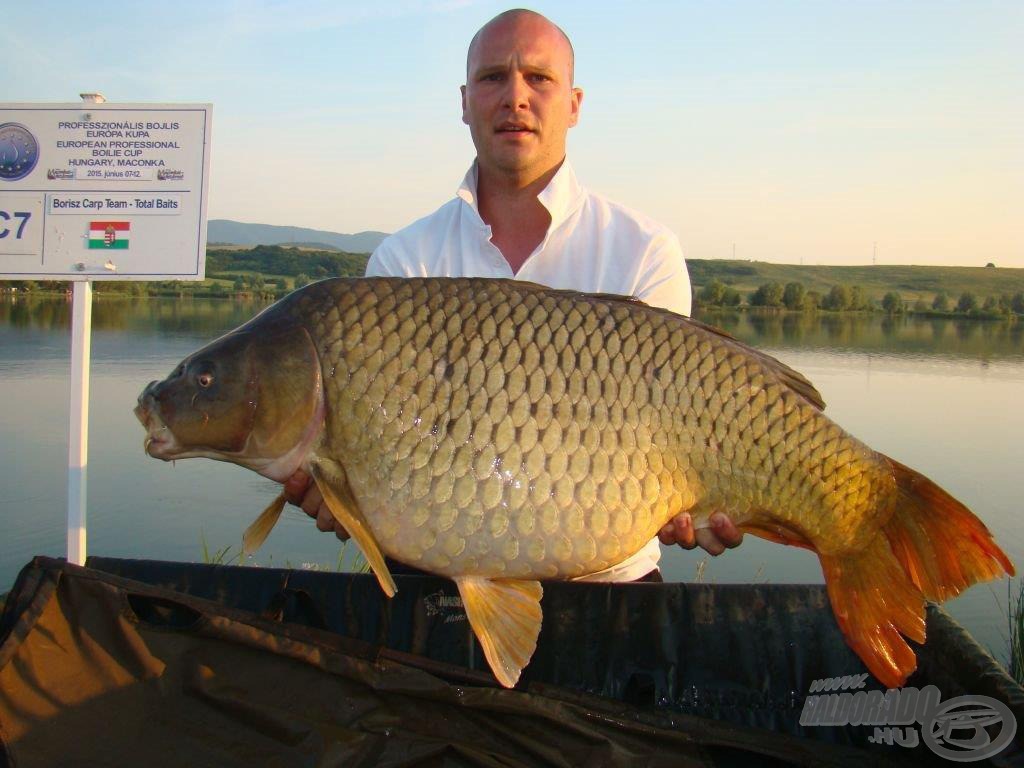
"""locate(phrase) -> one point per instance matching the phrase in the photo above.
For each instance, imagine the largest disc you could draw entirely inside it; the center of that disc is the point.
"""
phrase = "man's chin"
(512, 162)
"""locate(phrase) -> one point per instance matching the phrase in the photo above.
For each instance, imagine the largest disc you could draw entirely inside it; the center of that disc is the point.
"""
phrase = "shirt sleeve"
(383, 263)
(664, 280)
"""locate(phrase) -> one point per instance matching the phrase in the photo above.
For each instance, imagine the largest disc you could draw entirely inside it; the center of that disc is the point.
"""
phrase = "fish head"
(253, 397)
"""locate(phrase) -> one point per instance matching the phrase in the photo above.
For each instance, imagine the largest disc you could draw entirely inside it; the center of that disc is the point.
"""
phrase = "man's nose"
(516, 92)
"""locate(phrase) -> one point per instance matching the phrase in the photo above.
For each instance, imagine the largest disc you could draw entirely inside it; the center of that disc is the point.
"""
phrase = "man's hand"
(715, 540)
(301, 491)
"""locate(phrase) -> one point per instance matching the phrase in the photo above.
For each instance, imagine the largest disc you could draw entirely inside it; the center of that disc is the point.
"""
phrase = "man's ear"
(577, 100)
(464, 118)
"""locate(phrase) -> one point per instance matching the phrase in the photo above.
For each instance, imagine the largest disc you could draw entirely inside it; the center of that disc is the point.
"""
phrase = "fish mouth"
(159, 442)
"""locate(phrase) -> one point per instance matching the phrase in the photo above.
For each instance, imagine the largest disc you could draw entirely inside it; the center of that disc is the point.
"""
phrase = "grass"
(1016, 619)
(224, 556)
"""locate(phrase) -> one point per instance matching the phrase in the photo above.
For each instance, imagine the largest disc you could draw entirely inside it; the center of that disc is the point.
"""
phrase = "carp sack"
(502, 433)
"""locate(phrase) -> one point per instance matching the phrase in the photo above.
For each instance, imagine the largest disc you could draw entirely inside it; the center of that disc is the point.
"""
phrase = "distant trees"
(892, 302)
(718, 294)
(275, 260)
(837, 299)
(968, 301)
(768, 295)
(941, 302)
(793, 296)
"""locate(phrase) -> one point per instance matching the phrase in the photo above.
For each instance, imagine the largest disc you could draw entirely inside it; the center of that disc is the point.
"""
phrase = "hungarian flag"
(109, 234)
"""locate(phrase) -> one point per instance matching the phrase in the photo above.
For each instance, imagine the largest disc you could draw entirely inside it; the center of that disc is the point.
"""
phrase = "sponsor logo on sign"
(19, 151)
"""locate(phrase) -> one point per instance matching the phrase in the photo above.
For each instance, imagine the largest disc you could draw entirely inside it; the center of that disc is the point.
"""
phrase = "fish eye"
(204, 379)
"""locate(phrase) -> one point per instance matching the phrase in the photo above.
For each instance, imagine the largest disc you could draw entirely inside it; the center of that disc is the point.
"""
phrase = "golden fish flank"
(501, 433)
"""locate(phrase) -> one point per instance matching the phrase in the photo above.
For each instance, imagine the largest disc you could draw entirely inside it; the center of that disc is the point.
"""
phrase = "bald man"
(520, 213)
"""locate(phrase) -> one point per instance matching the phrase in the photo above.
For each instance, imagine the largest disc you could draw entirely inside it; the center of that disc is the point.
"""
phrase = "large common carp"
(502, 433)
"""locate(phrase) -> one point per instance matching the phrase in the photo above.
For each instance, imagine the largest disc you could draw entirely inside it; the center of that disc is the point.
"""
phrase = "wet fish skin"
(502, 433)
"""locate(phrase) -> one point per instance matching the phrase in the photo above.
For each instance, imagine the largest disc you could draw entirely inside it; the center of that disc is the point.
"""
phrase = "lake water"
(942, 396)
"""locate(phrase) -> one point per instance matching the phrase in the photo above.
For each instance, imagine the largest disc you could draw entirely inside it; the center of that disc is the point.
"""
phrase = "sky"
(819, 132)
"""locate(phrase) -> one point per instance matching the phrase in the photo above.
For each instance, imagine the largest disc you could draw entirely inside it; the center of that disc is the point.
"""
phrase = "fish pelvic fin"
(505, 615)
(875, 605)
(338, 498)
(261, 527)
(942, 546)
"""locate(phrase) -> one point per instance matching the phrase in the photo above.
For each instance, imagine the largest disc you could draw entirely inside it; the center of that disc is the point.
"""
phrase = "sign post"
(93, 192)
(78, 430)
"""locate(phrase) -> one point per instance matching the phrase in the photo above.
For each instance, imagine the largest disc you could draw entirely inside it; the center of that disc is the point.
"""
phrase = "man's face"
(518, 100)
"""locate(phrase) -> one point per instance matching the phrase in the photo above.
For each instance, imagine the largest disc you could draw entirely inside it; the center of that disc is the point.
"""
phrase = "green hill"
(911, 282)
(276, 260)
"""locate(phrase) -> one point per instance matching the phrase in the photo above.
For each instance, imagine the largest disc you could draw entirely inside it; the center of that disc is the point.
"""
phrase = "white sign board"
(104, 191)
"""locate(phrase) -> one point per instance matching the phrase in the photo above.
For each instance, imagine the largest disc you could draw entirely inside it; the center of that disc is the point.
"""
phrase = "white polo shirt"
(592, 245)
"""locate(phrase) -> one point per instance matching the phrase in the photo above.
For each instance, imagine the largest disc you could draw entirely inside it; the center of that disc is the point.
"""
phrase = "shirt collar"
(562, 195)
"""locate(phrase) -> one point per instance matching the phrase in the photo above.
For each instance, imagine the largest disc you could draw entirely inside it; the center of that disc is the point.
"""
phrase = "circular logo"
(19, 151)
(958, 729)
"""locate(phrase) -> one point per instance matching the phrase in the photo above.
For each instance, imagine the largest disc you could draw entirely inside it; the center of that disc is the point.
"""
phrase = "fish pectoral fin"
(261, 527)
(505, 615)
(345, 509)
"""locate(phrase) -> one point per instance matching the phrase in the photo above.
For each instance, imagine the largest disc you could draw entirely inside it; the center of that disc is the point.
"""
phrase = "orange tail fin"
(941, 544)
(933, 547)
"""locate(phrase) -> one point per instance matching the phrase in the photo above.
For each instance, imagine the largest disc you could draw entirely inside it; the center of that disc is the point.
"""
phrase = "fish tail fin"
(876, 605)
(932, 548)
(942, 546)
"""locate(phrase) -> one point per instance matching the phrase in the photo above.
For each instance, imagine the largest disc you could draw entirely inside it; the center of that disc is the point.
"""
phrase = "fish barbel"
(502, 433)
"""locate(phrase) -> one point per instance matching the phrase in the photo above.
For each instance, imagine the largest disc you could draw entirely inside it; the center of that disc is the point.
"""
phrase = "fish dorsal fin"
(261, 527)
(338, 498)
(505, 615)
(795, 380)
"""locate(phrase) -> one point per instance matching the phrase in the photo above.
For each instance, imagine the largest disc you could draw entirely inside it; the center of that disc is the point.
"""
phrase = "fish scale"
(502, 433)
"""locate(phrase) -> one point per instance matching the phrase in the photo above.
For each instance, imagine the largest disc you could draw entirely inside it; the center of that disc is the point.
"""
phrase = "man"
(521, 213)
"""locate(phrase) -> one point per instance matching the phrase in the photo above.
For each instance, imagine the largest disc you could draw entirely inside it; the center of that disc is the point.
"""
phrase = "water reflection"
(162, 315)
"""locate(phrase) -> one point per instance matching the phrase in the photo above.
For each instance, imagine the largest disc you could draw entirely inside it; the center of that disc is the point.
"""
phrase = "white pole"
(78, 413)
(78, 433)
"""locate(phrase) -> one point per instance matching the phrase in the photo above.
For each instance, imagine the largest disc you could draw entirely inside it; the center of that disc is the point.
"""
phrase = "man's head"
(519, 101)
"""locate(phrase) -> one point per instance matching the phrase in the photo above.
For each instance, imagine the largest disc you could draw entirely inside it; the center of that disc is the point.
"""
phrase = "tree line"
(846, 298)
(243, 270)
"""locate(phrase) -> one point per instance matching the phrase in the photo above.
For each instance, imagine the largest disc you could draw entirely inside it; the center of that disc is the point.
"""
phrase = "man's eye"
(493, 77)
